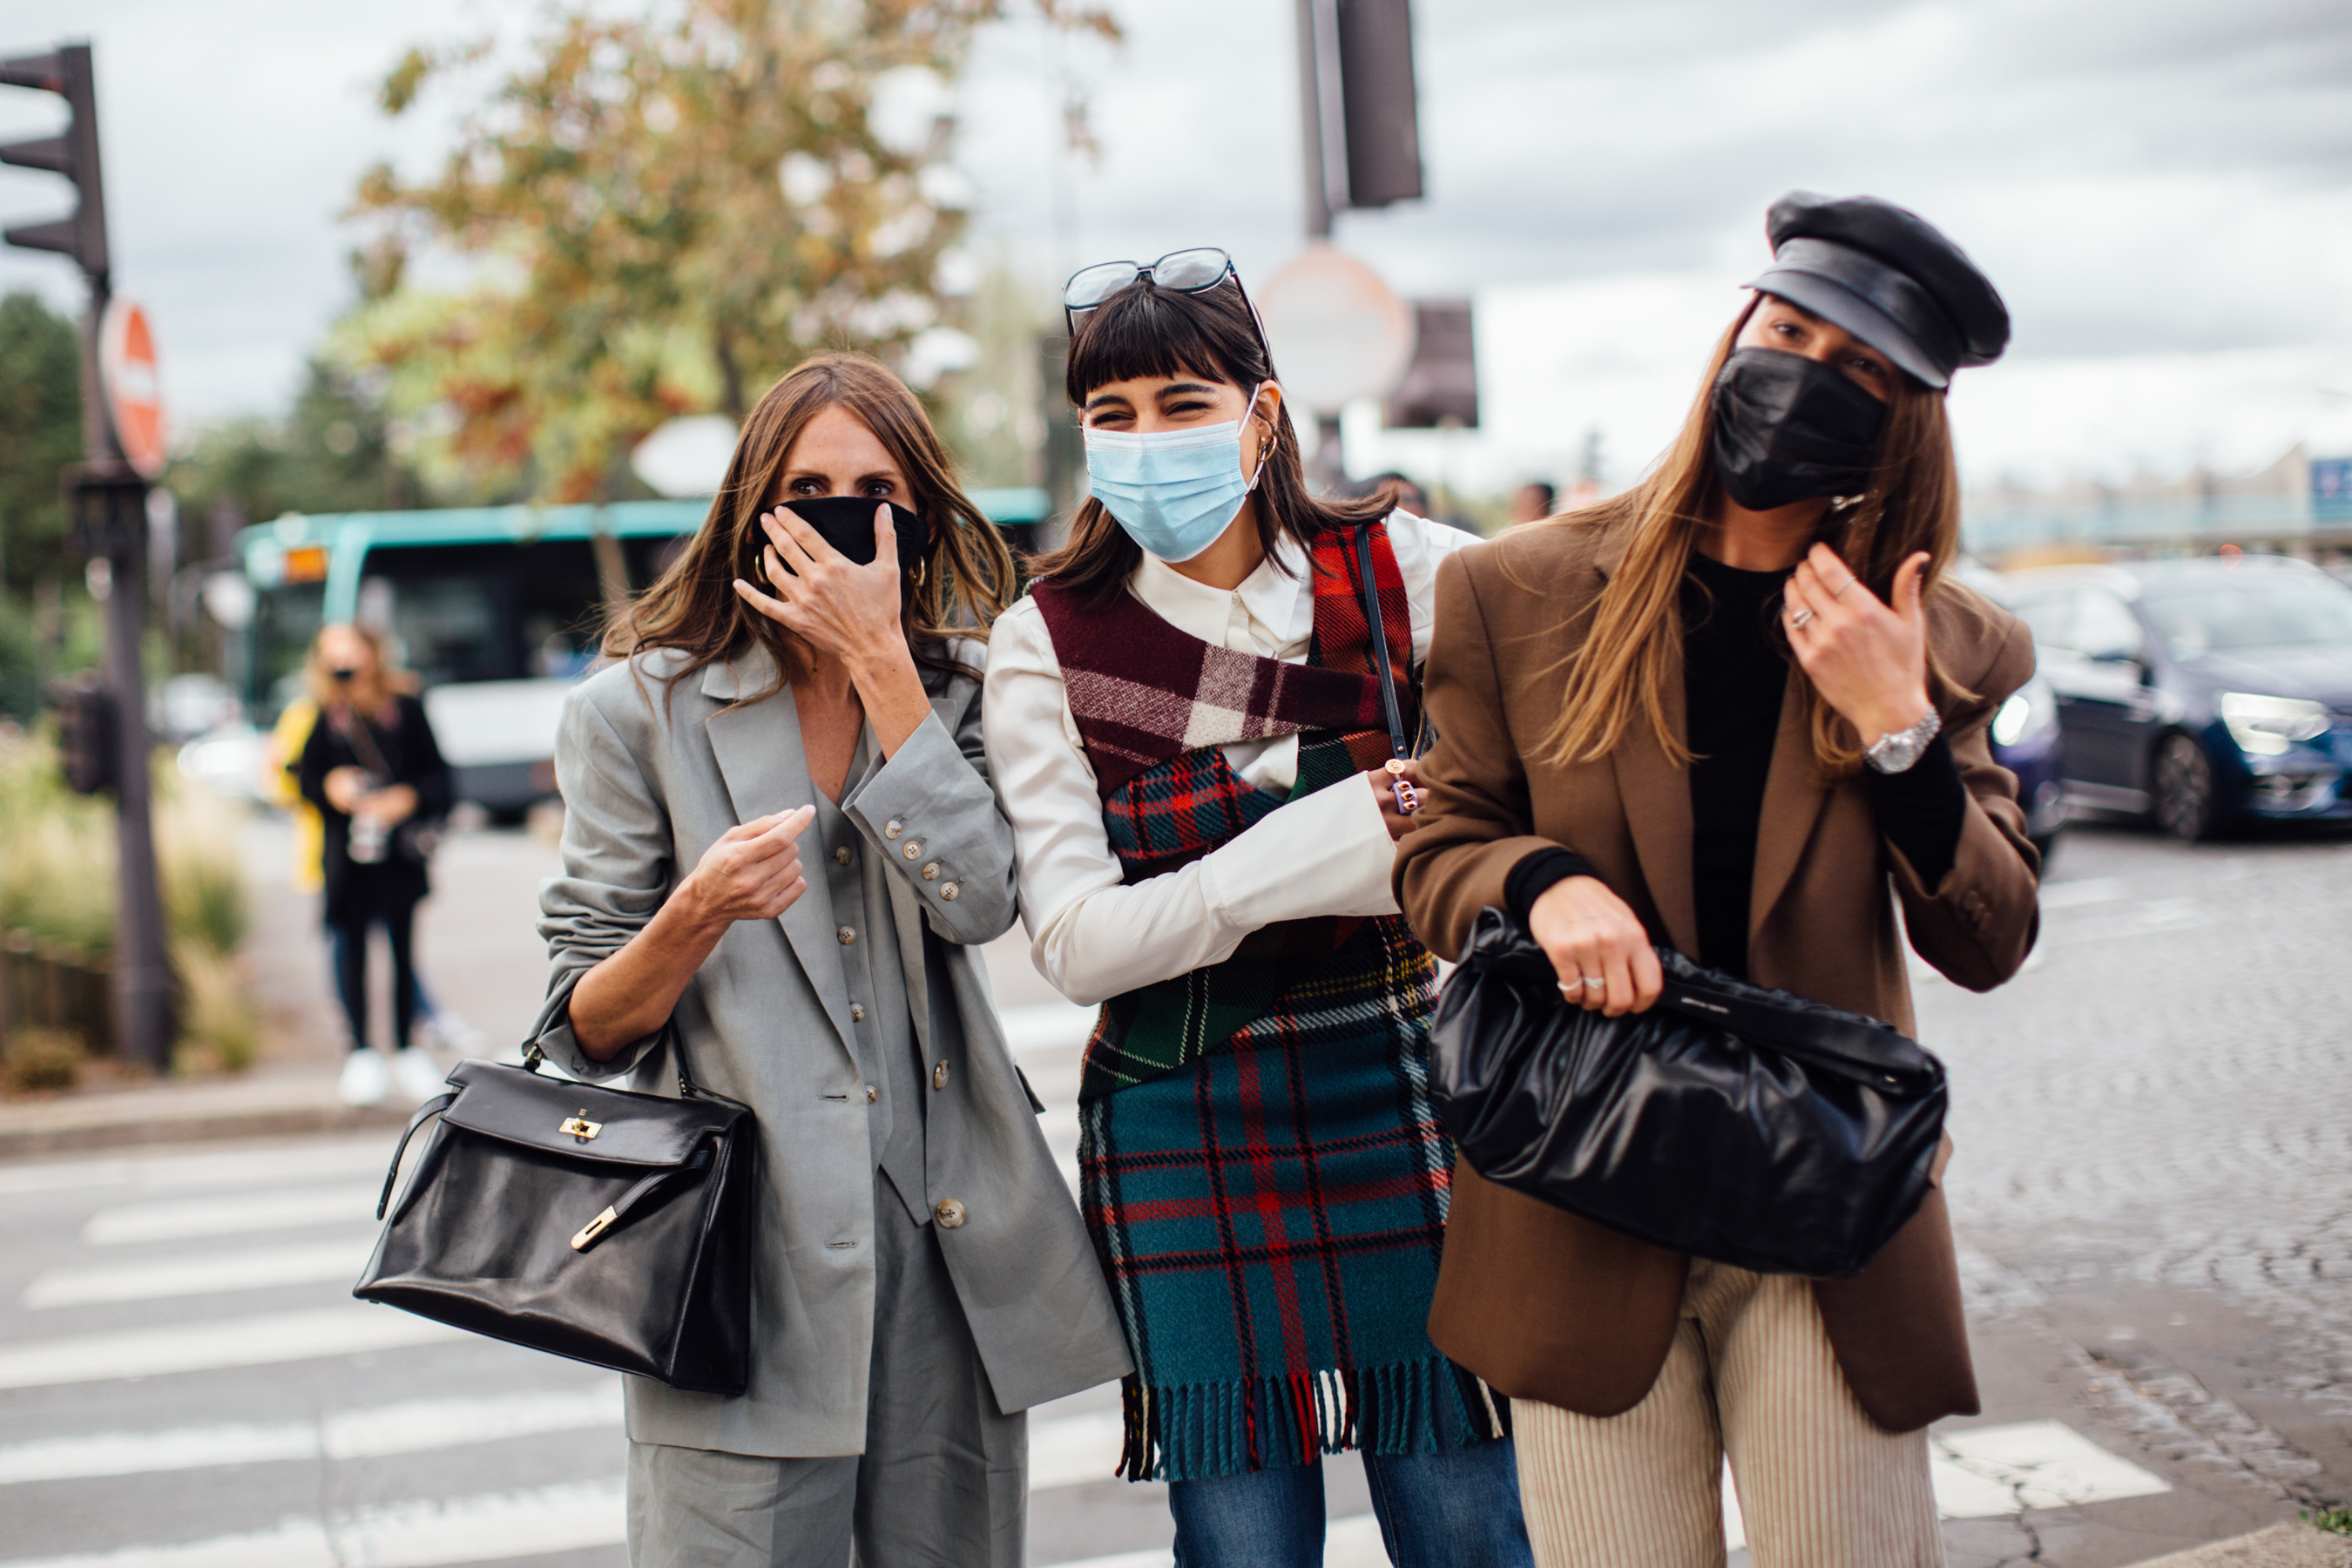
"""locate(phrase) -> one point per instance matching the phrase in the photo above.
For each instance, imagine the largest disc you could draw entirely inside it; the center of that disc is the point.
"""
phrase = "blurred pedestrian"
(1185, 726)
(1740, 709)
(781, 855)
(1402, 491)
(1533, 502)
(371, 768)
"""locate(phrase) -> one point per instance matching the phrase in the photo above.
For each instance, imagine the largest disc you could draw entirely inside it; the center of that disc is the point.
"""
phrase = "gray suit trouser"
(944, 1481)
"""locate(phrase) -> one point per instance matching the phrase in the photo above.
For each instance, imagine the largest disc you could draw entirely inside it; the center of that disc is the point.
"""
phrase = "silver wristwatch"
(1896, 752)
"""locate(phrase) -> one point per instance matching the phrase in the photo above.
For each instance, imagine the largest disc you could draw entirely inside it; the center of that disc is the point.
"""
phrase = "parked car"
(2199, 692)
(2025, 736)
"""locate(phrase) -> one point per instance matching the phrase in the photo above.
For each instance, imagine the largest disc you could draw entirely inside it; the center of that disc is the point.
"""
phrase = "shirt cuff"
(1536, 873)
(1921, 809)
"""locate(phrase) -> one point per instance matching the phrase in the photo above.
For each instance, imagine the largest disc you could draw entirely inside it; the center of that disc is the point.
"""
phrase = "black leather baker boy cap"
(1887, 276)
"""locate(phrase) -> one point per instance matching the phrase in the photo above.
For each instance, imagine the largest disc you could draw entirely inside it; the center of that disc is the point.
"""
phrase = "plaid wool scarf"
(1154, 706)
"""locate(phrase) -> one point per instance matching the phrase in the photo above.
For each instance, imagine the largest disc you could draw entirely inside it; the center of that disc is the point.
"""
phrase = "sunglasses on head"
(1193, 271)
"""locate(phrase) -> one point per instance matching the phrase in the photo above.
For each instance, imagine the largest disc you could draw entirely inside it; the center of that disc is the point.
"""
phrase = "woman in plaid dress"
(1185, 723)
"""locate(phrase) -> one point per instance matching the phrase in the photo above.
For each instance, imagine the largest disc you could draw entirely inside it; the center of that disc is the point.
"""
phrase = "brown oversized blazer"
(1543, 1304)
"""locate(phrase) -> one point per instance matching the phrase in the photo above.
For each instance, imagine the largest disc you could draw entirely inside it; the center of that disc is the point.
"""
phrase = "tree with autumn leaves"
(662, 214)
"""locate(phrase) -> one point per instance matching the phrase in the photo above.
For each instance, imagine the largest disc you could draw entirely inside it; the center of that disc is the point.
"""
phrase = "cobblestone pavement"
(2154, 1167)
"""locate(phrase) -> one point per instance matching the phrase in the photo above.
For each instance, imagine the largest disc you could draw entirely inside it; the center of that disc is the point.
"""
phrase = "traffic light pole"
(106, 502)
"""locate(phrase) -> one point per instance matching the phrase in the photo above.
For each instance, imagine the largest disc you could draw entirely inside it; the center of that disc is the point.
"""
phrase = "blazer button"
(847, 935)
(948, 1212)
(932, 872)
(892, 829)
(841, 856)
(914, 849)
(940, 1076)
(872, 1094)
(858, 1012)
(947, 891)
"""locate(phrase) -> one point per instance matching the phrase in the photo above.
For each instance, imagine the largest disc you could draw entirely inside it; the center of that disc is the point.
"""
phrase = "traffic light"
(86, 733)
(82, 236)
(1362, 113)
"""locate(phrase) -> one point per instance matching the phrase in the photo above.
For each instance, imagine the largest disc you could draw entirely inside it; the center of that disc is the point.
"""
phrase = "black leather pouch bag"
(1730, 1122)
(612, 1227)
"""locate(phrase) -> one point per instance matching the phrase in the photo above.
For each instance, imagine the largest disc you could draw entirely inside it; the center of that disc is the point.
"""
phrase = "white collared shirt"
(1326, 854)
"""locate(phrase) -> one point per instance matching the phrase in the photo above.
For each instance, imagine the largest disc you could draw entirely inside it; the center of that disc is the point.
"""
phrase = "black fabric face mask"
(1789, 428)
(846, 523)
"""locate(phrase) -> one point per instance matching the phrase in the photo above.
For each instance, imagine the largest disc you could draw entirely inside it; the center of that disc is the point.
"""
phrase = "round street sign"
(1337, 331)
(134, 392)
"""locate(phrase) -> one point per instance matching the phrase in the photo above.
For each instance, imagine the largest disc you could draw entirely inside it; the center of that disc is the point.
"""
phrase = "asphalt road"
(2151, 1183)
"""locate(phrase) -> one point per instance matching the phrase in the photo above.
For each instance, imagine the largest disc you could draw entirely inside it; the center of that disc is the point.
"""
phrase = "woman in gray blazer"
(781, 842)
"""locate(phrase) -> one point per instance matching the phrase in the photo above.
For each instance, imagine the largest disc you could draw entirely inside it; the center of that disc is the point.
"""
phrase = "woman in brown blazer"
(1740, 709)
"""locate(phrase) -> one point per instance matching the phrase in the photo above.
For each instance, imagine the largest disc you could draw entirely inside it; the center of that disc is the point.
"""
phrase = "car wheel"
(2187, 803)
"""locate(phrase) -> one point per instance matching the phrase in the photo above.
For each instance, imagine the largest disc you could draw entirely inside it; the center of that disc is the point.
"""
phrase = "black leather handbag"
(1731, 1122)
(612, 1227)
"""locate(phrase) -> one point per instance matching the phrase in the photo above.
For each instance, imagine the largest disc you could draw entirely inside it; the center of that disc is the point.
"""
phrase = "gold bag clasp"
(580, 1127)
(592, 1229)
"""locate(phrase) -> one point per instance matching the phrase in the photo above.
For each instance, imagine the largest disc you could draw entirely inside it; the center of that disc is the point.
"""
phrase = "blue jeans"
(1459, 1508)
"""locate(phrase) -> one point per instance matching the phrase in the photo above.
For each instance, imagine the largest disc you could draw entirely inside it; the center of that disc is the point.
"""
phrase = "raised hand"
(1867, 658)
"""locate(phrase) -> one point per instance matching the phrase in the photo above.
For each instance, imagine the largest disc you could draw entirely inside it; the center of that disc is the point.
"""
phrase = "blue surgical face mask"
(1174, 491)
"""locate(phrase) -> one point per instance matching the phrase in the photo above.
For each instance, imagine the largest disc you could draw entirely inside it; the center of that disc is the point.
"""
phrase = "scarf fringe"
(1190, 1432)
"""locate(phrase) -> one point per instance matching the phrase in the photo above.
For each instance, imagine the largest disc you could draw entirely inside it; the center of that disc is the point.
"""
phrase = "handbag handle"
(1853, 1047)
(1372, 616)
(1408, 799)
(669, 1034)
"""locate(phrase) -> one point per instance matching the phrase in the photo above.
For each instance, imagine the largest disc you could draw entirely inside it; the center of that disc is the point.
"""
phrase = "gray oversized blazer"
(648, 786)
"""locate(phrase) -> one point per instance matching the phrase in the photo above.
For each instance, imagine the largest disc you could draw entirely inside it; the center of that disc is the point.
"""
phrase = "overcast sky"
(2162, 189)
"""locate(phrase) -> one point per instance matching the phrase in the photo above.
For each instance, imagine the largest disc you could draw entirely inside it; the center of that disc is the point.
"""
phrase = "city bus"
(496, 610)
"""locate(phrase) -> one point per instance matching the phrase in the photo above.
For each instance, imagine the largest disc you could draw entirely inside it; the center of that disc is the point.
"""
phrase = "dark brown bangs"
(1144, 330)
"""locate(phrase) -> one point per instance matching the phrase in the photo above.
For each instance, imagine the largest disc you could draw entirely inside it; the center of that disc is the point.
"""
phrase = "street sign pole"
(107, 502)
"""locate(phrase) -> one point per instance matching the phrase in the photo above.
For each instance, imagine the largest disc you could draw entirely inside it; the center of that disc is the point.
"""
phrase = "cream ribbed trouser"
(1751, 1374)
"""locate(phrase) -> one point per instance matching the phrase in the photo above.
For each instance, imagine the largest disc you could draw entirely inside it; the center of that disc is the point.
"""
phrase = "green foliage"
(2337, 1520)
(56, 855)
(40, 1058)
(40, 433)
(333, 452)
(57, 859)
(220, 1030)
(666, 214)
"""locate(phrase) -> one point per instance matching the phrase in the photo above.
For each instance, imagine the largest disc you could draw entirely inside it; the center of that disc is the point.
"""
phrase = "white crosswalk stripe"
(346, 1330)
(204, 1274)
(182, 1219)
(144, 1252)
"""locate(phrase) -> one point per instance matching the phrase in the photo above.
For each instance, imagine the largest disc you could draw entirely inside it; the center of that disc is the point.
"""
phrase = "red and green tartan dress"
(1261, 1164)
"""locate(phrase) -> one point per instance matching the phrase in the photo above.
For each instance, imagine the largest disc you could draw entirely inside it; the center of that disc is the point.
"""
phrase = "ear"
(1268, 405)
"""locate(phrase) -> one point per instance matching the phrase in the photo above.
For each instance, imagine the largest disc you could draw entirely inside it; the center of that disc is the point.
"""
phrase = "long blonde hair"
(1617, 675)
(369, 696)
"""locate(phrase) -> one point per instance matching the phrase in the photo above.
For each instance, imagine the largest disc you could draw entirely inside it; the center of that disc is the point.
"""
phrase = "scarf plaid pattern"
(1260, 1162)
(1135, 692)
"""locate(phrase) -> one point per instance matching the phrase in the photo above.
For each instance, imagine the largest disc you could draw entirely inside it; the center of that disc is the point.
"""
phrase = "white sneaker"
(365, 1080)
(418, 1075)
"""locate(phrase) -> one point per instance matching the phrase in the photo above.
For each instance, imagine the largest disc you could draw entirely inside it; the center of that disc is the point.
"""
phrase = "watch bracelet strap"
(1929, 725)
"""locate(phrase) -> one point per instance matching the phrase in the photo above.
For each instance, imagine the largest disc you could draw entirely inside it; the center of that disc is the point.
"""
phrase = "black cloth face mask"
(1789, 428)
(846, 523)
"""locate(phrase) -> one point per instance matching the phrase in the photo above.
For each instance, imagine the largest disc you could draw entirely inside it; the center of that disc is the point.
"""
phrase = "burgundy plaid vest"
(1154, 706)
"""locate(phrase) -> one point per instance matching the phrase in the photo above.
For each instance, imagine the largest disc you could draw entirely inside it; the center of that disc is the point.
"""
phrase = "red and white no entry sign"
(134, 392)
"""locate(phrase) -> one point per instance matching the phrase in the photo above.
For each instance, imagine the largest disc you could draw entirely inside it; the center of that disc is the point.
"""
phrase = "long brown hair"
(1144, 329)
(1617, 675)
(955, 590)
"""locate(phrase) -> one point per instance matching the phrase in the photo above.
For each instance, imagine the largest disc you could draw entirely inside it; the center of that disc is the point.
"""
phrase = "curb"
(2281, 1546)
(73, 1125)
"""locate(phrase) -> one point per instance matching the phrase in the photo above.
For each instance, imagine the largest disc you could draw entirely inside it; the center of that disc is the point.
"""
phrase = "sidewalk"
(288, 1100)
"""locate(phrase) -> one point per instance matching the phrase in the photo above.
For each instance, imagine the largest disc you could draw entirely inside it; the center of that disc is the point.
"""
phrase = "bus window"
(285, 619)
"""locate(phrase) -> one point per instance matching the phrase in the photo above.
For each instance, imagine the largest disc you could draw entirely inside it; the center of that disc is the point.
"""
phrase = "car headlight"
(2267, 726)
(2032, 710)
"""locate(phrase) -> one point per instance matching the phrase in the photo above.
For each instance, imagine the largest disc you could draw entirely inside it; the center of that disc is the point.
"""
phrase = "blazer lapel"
(1655, 794)
(760, 757)
(1793, 797)
(1655, 797)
